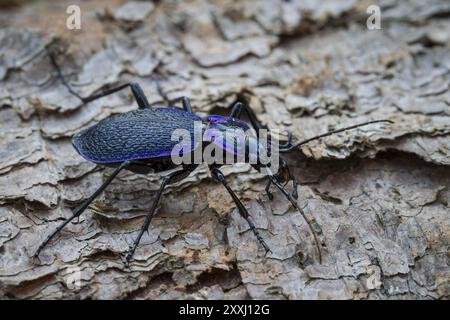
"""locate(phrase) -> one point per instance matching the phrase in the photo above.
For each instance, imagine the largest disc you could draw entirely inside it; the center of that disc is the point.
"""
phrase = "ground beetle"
(139, 141)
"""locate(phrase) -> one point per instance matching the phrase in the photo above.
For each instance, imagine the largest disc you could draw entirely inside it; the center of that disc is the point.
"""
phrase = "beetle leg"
(187, 104)
(294, 191)
(289, 141)
(241, 208)
(294, 186)
(139, 96)
(136, 89)
(82, 207)
(170, 178)
(289, 177)
(275, 181)
(267, 189)
(185, 101)
(236, 111)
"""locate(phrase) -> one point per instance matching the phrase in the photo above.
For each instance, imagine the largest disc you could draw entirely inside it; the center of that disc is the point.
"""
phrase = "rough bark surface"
(380, 194)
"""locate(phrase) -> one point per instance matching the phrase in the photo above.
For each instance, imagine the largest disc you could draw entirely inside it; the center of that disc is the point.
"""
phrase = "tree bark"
(379, 194)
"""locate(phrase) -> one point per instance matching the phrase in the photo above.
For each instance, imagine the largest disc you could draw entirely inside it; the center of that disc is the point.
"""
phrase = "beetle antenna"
(294, 203)
(61, 76)
(298, 144)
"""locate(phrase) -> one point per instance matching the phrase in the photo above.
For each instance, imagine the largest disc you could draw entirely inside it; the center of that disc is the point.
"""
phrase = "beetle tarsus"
(288, 143)
(172, 177)
(126, 262)
(261, 240)
(267, 189)
(294, 190)
(81, 208)
(128, 257)
(294, 203)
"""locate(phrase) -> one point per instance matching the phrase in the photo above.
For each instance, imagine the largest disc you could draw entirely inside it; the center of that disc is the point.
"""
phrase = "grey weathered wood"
(380, 195)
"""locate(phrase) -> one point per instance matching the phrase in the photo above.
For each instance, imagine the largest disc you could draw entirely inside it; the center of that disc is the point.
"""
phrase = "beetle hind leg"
(81, 208)
(136, 89)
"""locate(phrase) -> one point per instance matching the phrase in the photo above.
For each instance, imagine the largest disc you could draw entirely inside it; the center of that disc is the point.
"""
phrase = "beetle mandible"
(140, 141)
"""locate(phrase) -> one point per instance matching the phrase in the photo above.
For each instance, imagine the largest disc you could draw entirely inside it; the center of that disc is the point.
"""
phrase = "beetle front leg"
(293, 201)
(267, 189)
(295, 187)
(283, 176)
(241, 208)
(294, 190)
(288, 143)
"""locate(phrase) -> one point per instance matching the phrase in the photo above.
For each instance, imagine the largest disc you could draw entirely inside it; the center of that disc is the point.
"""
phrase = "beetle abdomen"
(138, 134)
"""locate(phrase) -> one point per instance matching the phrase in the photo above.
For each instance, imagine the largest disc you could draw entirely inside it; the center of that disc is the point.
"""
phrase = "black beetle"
(140, 141)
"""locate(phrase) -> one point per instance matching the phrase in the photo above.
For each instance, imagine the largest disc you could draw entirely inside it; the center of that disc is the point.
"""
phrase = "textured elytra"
(138, 134)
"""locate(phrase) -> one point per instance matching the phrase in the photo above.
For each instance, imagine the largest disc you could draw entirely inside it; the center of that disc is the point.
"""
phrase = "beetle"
(140, 141)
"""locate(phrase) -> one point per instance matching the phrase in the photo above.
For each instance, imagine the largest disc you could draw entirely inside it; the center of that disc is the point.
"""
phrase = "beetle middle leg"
(185, 101)
(82, 207)
(241, 208)
(136, 89)
(170, 178)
